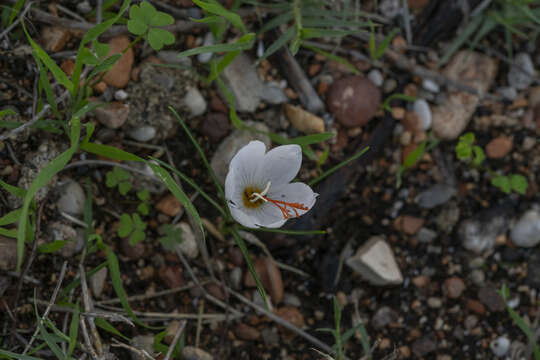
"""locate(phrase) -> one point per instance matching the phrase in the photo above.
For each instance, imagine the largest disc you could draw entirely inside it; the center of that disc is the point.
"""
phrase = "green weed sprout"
(132, 226)
(119, 178)
(474, 155)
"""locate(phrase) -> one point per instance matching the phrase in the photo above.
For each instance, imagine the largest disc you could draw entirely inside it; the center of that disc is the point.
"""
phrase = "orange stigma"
(282, 205)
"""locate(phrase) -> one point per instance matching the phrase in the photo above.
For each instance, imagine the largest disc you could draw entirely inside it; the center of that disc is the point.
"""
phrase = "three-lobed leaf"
(157, 38)
(126, 226)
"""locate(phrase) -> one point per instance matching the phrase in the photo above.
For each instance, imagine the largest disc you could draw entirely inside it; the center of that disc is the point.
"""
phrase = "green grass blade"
(10, 217)
(278, 44)
(201, 153)
(46, 85)
(110, 152)
(105, 325)
(275, 22)
(336, 58)
(384, 44)
(8, 233)
(12, 355)
(48, 338)
(242, 245)
(40, 181)
(58, 73)
(13, 190)
(338, 166)
(177, 192)
(217, 9)
(193, 184)
(73, 331)
(244, 43)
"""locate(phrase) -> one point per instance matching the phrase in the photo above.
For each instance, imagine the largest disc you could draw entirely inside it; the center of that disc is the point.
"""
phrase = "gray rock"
(521, 74)
(142, 342)
(270, 336)
(423, 346)
(195, 102)
(479, 236)
(171, 57)
(452, 116)
(448, 217)
(426, 235)
(390, 8)
(500, 346)
(59, 231)
(8, 253)
(235, 277)
(273, 95)
(292, 300)
(383, 317)
(376, 263)
(376, 77)
(97, 282)
(112, 115)
(436, 195)
(34, 162)
(508, 92)
(230, 146)
(193, 353)
(143, 133)
(526, 232)
(84, 7)
(242, 79)
(208, 40)
(430, 85)
(421, 108)
(150, 97)
(121, 95)
(188, 246)
(72, 198)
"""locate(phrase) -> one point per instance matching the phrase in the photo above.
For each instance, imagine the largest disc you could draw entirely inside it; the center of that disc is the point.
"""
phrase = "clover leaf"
(120, 178)
(145, 20)
(172, 236)
(132, 226)
(503, 183)
(519, 183)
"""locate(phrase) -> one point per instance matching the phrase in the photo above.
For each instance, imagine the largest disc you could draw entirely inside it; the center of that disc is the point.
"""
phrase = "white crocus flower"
(258, 186)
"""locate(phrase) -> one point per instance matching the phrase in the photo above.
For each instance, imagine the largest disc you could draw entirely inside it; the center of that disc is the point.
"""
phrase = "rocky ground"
(419, 264)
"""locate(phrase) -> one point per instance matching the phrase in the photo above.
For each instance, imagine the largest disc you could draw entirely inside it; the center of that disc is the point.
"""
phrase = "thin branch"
(16, 22)
(175, 340)
(142, 353)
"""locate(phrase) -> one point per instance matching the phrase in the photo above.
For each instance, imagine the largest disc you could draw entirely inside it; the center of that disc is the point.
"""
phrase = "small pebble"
(430, 85)
(422, 109)
(143, 133)
(500, 346)
(376, 77)
(521, 74)
(208, 40)
(120, 95)
(508, 93)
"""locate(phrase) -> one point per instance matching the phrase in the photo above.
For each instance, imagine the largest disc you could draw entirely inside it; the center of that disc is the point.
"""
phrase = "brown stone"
(421, 281)
(68, 66)
(410, 225)
(489, 296)
(411, 122)
(453, 287)
(270, 277)
(499, 147)
(476, 307)
(215, 126)
(398, 113)
(55, 38)
(353, 100)
(172, 329)
(303, 120)
(216, 104)
(246, 332)
(100, 87)
(112, 115)
(292, 315)
(120, 73)
(169, 205)
(216, 291)
(417, 4)
(133, 252)
(171, 276)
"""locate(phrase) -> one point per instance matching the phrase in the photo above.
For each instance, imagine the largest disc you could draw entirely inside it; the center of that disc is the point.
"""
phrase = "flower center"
(253, 198)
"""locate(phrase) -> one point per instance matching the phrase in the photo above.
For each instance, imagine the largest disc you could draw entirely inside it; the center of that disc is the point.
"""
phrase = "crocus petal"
(246, 163)
(294, 193)
(268, 215)
(281, 164)
(243, 218)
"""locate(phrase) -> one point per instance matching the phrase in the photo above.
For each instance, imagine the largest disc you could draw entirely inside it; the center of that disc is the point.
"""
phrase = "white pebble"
(376, 77)
(526, 232)
(260, 49)
(195, 102)
(390, 8)
(120, 95)
(143, 133)
(430, 85)
(208, 40)
(500, 346)
(421, 108)
(521, 72)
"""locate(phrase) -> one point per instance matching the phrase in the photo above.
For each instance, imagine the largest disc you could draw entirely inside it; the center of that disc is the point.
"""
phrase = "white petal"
(268, 215)
(281, 164)
(243, 218)
(294, 193)
(246, 163)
